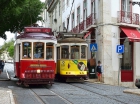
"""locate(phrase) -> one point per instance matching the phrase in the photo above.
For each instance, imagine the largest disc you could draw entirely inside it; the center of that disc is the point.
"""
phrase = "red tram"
(34, 57)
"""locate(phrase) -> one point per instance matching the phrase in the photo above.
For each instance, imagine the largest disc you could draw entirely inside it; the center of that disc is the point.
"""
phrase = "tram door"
(19, 53)
(17, 60)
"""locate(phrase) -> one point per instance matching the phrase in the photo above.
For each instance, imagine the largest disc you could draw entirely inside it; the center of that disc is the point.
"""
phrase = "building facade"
(112, 24)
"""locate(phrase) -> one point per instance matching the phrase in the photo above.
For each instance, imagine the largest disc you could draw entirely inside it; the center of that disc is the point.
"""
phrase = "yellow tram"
(71, 57)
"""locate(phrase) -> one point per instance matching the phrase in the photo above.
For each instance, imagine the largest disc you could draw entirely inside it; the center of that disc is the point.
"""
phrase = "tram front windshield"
(73, 52)
(37, 50)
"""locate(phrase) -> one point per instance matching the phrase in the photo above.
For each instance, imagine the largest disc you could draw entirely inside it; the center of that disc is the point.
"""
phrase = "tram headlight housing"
(38, 71)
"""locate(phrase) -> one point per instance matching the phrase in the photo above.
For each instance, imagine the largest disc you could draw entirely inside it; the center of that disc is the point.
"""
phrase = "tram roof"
(63, 35)
(72, 40)
(69, 37)
(36, 33)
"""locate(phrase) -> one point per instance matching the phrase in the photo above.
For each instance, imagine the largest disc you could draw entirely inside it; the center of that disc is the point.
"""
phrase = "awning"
(87, 34)
(132, 33)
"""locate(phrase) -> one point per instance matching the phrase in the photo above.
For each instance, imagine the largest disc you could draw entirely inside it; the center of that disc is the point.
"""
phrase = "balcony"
(90, 20)
(128, 17)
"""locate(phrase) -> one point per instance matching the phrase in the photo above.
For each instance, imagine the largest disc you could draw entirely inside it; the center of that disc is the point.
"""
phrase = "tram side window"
(83, 51)
(49, 51)
(65, 52)
(26, 49)
(75, 52)
(38, 50)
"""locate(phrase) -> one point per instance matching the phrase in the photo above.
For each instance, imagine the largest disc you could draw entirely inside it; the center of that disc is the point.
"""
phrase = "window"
(126, 12)
(55, 12)
(93, 8)
(59, 28)
(52, 18)
(85, 9)
(72, 20)
(26, 49)
(78, 15)
(75, 52)
(38, 50)
(83, 51)
(63, 5)
(67, 2)
(65, 52)
(125, 5)
(63, 25)
(67, 23)
(59, 8)
(49, 51)
(46, 15)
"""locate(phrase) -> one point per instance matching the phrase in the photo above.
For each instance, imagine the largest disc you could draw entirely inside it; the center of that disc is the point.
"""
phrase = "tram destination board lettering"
(41, 30)
(38, 65)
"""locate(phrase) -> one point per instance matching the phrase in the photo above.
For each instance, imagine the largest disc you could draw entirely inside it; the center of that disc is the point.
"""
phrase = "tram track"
(54, 94)
(97, 93)
(37, 96)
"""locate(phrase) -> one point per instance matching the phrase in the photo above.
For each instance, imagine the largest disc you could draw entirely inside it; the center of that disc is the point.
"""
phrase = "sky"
(42, 0)
(10, 35)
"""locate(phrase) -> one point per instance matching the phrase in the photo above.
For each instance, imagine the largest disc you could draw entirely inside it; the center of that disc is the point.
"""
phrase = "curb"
(132, 91)
(11, 97)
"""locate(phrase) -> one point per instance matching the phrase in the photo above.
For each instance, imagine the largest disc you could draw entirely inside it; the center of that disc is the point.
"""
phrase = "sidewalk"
(6, 96)
(135, 91)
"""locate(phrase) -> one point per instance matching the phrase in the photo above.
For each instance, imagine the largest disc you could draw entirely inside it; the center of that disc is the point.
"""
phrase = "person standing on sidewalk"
(99, 70)
(91, 67)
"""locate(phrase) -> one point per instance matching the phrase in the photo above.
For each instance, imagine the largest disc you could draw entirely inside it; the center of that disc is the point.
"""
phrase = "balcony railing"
(90, 20)
(82, 26)
(128, 17)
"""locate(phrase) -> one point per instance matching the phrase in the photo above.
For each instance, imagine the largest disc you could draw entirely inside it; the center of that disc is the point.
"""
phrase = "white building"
(108, 23)
(52, 15)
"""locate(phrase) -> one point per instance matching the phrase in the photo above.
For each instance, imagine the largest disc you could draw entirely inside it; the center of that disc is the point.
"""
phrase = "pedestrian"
(99, 70)
(2, 65)
(92, 66)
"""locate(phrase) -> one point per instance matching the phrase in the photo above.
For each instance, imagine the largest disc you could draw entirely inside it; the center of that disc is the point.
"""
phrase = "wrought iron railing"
(90, 20)
(128, 17)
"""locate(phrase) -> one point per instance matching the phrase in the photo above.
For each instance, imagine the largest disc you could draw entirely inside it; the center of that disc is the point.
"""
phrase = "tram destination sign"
(38, 30)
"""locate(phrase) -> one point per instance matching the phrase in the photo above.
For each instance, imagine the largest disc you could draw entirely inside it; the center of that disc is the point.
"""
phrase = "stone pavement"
(6, 96)
(135, 91)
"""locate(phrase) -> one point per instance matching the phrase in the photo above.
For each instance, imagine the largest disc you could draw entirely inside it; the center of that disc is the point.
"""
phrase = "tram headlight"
(38, 71)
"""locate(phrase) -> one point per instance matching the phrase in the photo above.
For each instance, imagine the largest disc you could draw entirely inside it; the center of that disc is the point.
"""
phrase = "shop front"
(128, 37)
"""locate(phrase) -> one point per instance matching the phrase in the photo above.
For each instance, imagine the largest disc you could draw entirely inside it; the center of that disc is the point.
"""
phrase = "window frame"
(66, 52)
(43, 50)
(24, 57)
(52, 52)
(73, 46)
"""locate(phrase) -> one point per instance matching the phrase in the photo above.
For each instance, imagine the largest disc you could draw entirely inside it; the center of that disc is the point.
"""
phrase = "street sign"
(93, 47)
(120, 49)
